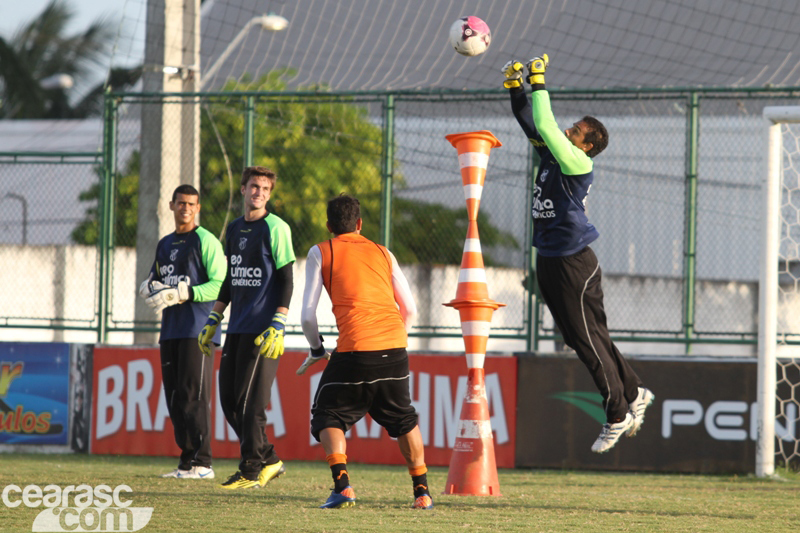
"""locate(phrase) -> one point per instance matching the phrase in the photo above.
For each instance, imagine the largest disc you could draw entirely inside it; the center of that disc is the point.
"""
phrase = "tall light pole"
(269, 22)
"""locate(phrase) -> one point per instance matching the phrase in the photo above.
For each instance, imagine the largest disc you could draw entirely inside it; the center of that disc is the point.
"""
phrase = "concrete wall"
(40, 283)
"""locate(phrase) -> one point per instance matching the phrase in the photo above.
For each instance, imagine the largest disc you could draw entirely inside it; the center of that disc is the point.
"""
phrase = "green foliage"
(319, 147)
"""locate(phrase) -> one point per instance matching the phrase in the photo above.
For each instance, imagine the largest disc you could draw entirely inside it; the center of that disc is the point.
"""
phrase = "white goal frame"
(776, 117)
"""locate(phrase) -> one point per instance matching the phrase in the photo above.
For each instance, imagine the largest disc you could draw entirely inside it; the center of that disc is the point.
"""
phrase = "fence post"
(106, 207)
(690, 214)
(249, 118)
(387, 170)
(532, 338)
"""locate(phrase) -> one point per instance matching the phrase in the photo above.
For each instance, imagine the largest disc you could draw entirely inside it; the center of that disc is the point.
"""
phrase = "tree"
(319, 147)
(40, 50)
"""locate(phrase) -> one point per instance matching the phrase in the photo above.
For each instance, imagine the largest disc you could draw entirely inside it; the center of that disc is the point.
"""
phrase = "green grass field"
(540, 500)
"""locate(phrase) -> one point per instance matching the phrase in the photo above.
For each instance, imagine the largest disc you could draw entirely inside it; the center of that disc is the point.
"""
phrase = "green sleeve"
(281, 237)
(215, 264)
(572, 160)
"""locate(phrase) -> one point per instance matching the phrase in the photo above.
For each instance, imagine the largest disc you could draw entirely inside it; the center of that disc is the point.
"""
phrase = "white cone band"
(475, 360)
(472, 275)
(472, 245)
(476, 328)
(473, 159)
(473, 191)
(475, 429)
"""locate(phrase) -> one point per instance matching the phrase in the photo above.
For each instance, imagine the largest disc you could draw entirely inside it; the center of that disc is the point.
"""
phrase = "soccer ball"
(470, 36)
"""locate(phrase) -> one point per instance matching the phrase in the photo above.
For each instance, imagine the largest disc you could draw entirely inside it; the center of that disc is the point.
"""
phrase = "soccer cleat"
(637, 408)
(238, 481)
(611, 433)
(270, 472)
(338, 500)
(423, 502)
(197, 472)
(177, 473)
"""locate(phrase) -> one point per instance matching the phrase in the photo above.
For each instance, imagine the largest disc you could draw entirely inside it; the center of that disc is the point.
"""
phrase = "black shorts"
(354, 384)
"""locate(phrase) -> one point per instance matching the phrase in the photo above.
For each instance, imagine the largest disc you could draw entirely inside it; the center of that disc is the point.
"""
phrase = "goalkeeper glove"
(513, 73)
(207, 333)
(149, 287)
(314, 355)
(536, 68)
(167, 296)
(271, 341)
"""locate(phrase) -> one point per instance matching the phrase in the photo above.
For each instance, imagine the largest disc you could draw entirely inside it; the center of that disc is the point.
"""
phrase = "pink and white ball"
(470, 36)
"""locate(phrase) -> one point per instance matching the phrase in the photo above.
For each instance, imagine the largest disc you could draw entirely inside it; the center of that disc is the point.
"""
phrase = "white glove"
(167, 296)
(149, 287)
(314, 356)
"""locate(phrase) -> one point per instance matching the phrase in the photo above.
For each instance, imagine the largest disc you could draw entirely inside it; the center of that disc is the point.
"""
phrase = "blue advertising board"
(34, 393)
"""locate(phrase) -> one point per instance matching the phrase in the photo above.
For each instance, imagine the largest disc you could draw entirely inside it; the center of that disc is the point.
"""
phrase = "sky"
(14, 12)
(129, 47)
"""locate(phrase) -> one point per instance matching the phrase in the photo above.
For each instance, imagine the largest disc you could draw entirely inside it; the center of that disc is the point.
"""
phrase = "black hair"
(343, 213)
(597, 135)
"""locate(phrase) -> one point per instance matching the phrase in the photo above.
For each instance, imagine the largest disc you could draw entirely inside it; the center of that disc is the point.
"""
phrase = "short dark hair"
(597, 135)
(343, 213)
(186, 189)
(249, 172)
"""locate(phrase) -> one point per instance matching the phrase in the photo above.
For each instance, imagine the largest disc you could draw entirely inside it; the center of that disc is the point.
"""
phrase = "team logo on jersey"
(544, 175)
(173, 255)
(242, 243)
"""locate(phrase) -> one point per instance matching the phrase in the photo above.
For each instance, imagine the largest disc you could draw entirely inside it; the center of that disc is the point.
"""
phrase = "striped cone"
(473, 469)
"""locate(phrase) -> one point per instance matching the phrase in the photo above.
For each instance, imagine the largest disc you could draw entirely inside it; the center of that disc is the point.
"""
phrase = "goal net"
(778, 442)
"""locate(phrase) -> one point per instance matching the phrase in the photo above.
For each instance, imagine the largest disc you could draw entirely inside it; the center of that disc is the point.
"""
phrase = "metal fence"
(676, 199)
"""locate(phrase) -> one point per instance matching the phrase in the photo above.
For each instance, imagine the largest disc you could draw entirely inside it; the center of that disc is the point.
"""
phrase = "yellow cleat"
(238, 481)
(270, 472)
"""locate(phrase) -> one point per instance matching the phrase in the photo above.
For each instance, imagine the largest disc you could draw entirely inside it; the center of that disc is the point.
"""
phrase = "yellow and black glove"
(271, 341)
(536, 68)
(206, 337)
(513, 73)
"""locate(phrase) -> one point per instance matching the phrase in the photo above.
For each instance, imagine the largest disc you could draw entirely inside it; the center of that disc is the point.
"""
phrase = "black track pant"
(245, 381)
(572, 291)
(187, 375)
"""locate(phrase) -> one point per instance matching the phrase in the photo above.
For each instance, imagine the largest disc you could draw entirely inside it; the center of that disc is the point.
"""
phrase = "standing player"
(567, 270)
(184, 282)
(259, 288)
(368, 371)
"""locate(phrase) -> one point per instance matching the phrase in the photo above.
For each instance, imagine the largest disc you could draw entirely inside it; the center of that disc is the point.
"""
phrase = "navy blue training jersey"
(255, 251)
(195, 257)
(560, 224)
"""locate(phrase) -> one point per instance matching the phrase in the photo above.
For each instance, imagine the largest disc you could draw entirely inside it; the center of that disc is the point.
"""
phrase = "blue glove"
(207, 333)
(271, 340)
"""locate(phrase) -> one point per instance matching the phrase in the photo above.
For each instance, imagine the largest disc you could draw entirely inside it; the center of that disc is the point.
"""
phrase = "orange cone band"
(473, 469)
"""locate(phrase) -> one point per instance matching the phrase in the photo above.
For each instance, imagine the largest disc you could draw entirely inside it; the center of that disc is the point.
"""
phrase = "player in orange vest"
(368, 370)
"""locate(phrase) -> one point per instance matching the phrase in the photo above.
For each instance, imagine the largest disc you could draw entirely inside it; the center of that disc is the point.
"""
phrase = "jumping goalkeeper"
(567, 269)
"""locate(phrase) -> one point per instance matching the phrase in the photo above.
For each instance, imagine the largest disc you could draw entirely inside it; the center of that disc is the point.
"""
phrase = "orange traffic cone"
(473, 469)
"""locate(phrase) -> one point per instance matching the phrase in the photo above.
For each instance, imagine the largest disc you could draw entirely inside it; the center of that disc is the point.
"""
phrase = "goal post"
(783, 123)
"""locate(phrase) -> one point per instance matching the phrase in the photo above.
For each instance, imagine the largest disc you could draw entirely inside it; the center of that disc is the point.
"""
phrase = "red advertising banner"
(129, 411)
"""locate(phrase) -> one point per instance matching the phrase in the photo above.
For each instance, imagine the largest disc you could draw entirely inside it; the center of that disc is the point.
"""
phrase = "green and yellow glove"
(207, 333)
(536, 68)
(513, 73)
(271, 341)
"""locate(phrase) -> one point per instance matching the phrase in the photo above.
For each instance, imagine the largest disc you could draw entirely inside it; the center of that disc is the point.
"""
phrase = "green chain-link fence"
(676, 199)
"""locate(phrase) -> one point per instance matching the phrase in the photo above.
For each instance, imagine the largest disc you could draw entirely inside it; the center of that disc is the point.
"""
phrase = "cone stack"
(473, 469)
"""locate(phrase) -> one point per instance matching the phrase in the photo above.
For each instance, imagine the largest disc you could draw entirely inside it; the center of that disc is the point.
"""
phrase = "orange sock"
(336, 459)
(417, 470)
